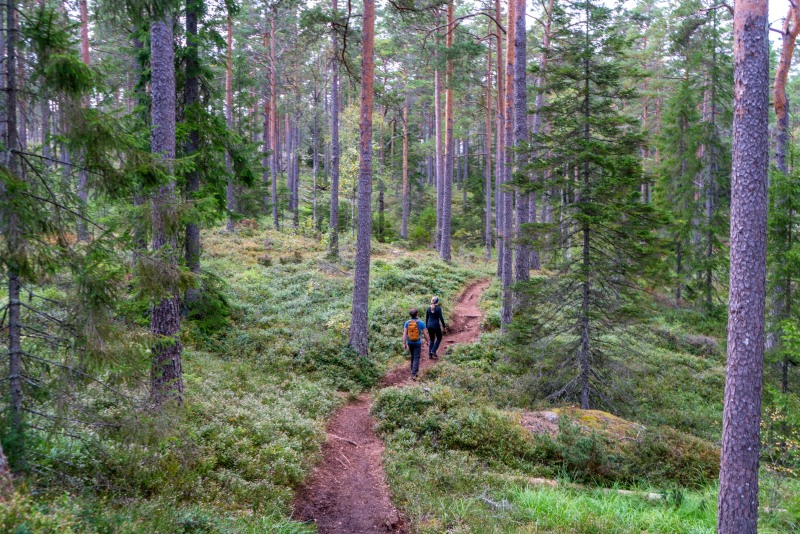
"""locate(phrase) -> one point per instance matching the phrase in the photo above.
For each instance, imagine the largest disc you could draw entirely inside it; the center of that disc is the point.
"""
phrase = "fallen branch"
(351, 442)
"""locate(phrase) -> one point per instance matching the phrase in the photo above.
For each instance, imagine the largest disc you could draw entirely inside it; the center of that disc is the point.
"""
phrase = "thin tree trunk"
(447, 192)
(315, 166)
(165, 319)
(522, 265)
(359, 322)
(273, 167)
(230, 198)
(488, 147)
(584, 355)
(404, 224)
(83, 179)
(738, 477)
(537, 117)
(192, 231)
(265, 177)
(334, 165)
(437, 103)
(500, 150)
(506, 311)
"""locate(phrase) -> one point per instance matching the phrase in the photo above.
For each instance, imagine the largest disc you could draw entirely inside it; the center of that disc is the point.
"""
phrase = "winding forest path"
(347, 492)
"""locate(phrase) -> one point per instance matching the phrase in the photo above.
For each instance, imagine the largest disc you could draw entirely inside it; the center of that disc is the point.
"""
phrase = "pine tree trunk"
(334, 165)
(404, 224)
(273, 167)
(738, 478)
(296, 174)
(537, 119)
(506, 311)
(265, 163)
(437, 103)
(359, 323)
(14, 243)
(192, 233)
(315, 166)
(447, 183)
(522, 257)
(47, 154)
(83, 178)
(500, 150)
(488, 149)
(165, 320)
(230, 198)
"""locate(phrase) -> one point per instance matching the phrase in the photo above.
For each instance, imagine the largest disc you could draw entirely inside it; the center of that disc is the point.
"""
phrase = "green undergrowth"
(460, 460)
(265, 364)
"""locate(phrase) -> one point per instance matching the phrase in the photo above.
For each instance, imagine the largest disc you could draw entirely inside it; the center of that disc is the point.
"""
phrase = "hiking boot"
(414, 378)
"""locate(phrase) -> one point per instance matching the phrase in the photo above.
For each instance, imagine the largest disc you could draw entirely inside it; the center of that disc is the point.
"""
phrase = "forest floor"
(347, 492)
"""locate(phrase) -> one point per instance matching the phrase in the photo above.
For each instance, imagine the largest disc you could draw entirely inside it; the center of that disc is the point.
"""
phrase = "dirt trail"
(347, 492)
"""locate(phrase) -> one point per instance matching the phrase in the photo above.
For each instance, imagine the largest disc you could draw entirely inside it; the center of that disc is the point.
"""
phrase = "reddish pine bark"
(738, 478)
(359, 322)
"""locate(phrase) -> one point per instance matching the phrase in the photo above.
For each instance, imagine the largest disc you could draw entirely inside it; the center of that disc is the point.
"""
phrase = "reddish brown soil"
(347, 492)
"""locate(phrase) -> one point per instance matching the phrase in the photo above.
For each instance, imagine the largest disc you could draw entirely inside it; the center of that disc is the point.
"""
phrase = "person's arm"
(427, 335)
(441, 316)
(405, 336)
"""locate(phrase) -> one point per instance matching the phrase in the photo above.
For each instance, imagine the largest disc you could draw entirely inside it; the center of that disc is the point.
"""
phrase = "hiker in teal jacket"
(413, 332)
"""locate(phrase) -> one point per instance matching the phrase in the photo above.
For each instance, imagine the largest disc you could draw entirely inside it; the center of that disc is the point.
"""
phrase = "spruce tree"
(593, 149)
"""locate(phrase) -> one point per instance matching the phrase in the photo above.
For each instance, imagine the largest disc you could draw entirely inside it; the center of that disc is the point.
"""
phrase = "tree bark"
(83, 178)
(738, 488)
(488, 146)
(359, 323)
(447, 189)
(500, 151)
(437, 103)
(522, 258)
(334, 164)
(165, 320)
(230, 198)
(506, 311)
(14, 243)
(404, 224)
(273, 167)
(537, 118)
(192, 99)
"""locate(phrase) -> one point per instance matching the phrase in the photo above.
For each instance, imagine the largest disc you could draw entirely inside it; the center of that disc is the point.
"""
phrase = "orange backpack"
(413, 330)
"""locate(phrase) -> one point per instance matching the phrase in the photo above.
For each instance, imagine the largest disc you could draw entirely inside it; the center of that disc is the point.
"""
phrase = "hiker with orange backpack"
(413, 331)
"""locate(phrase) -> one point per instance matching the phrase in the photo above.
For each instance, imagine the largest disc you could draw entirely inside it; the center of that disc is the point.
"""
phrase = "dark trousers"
(435, 334)
(414, 349)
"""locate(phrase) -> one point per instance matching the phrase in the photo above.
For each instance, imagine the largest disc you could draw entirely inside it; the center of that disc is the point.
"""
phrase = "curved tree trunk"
(359, 322)
(738, 477)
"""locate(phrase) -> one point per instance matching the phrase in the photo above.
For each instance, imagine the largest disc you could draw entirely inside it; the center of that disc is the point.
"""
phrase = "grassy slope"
(454, 445)
(258, 392)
